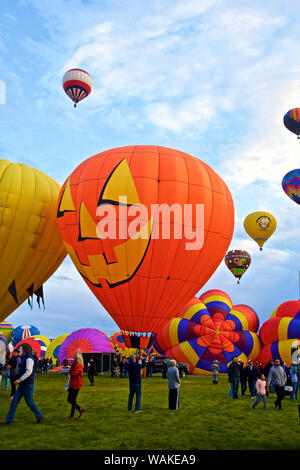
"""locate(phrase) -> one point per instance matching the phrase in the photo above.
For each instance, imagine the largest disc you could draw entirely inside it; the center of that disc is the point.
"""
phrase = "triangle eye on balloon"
(135, 279)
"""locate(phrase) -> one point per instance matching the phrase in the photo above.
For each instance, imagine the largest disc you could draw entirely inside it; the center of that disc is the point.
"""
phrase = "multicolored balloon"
(210, 328)
(291, 185)
(77, 84)
(6, 329)
(237, 261)
(23, 332)
(291, 121)
(31, 248)
(260, 226)
(36, 344)
(280, 335)
(54, 346)
(84, 340)
(135, 269)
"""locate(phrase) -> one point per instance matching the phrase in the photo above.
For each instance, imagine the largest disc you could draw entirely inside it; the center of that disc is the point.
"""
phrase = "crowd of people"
(21, 368)
(273, 378)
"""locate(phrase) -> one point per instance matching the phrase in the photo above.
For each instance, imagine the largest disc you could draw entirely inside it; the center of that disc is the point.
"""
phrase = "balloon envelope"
(77, 84)
(23, 332)
(291, 185)
(280, 335)
(260, 225)
(31, 248)
(85, 340)
(291, 121)
(237, 261)
(54, 347)
(210, 328)
(6, 329)
(135, 269)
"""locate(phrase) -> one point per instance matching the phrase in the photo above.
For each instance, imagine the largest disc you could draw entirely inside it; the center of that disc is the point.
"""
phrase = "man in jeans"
(277, 377)
(234, 376)
(135, 367)
(26, 386)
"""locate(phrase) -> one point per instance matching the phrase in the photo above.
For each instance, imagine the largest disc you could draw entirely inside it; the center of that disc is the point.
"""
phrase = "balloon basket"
(136, 341)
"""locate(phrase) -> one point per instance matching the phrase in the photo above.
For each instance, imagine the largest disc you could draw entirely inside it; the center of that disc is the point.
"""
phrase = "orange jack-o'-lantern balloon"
(146, 227)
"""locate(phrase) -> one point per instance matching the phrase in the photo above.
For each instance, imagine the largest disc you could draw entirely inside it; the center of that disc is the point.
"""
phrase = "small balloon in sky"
(291, 185)
(77, 84)
(291, 121)
(260, 226)
(237, 261)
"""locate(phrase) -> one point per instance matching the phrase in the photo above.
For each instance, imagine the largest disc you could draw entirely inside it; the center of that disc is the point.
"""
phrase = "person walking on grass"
(91, 371)
(26, 386)
(294, 382)
(277, 377)
(135, 366)
(174, 385)
(260, 386)
(76, 382)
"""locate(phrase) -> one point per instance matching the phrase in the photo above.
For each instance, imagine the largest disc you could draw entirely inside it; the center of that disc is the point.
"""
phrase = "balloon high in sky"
(291, 121)
(77, 84)
(260, 226)
(142, 261)
(291, 185)
(237, 261)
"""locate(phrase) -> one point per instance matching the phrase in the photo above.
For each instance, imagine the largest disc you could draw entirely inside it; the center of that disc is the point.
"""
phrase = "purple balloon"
(85, 340)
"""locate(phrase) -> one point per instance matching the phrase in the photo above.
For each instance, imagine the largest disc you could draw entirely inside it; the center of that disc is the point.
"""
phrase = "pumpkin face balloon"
(146, 227)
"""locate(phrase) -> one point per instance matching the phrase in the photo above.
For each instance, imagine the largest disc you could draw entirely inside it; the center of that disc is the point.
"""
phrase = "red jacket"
(76, 373)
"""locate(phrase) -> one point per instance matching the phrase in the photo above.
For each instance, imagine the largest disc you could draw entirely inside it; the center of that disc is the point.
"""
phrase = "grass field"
(207, 419)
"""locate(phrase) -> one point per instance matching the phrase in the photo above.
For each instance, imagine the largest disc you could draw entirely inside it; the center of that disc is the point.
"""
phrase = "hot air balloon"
(291, 121)
(36, 344)
(140, 223)
(84, 340)
(291, 185)
(77, 84)
(238, 261)
(4, 351)
(210, 328)
(280, 335)
(6, 329)
(260, 225)
(31, 248)
(54, 346)
(119, 344)
(23, 332)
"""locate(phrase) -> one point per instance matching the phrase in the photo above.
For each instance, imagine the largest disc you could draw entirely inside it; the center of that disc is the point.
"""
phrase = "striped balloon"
(280, 335)
(6, 329)
(210, 328)
(23, 332)
(291, 121)
(77, 84)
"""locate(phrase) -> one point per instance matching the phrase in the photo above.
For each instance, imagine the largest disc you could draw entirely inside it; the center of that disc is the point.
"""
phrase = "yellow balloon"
(31, 248)
(45, 340)
(260, 225)
(53, 347)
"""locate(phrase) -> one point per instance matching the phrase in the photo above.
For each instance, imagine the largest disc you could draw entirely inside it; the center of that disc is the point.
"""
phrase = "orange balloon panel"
(131, 221)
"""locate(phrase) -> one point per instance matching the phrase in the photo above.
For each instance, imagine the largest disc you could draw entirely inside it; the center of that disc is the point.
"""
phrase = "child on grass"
(261, 392)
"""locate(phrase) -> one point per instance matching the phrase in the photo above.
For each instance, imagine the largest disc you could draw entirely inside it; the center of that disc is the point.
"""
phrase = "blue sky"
(212, 78)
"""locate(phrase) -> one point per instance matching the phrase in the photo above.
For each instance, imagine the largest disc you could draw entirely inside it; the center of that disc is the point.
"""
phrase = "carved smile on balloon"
(118, 262)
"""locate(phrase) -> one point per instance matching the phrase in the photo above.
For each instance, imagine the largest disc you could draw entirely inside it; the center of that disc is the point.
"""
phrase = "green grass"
(207, 419)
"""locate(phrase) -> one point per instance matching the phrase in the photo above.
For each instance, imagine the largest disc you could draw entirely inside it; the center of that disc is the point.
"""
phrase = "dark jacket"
(233, 371)
(252, 373)
(134, 372)
(22, 370)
